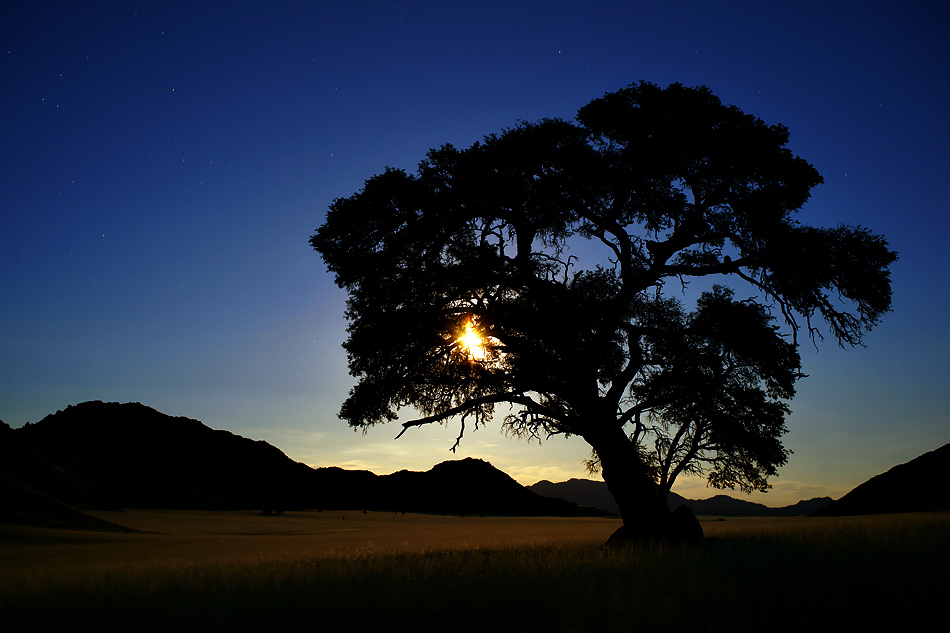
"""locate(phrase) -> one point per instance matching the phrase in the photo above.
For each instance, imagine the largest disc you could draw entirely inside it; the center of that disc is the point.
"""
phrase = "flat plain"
(206, 537)
(319, 570)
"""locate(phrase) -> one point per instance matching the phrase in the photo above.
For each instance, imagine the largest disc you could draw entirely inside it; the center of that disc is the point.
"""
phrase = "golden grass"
(235, 571)
(210, 536)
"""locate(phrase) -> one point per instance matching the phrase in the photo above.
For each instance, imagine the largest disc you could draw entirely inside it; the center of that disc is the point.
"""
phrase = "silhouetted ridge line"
(130, 455)
(99, 455)
(24, 506)
(595, 493)
(915, 486)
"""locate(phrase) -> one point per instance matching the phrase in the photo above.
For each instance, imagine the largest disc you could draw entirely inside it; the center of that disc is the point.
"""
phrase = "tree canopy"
(565, 251)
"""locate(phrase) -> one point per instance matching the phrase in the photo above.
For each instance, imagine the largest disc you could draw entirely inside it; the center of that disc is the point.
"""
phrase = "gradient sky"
(164, 165)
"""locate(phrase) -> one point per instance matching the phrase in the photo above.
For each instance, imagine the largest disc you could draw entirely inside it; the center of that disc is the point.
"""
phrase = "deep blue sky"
(165, 163)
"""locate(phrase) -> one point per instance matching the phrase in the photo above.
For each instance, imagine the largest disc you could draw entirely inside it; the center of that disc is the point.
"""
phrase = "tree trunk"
(643, 508)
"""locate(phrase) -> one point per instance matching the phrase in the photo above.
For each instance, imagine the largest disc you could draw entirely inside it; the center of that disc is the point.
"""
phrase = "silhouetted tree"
(568, 249)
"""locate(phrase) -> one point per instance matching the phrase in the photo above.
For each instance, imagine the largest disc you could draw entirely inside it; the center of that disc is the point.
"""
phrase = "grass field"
(353, 571)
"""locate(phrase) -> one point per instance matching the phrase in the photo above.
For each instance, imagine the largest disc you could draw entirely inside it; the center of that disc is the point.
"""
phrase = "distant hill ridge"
(99, 455)
(110, 455)
(595, 493)
(915, 486)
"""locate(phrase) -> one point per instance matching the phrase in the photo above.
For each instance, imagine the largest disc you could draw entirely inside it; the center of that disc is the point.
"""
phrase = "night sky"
(164, 165)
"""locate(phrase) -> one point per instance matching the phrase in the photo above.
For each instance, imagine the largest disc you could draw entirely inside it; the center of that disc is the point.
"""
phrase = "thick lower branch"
(514, 398)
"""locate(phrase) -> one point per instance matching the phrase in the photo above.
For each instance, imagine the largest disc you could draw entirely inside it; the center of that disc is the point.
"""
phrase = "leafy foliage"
(559, 243)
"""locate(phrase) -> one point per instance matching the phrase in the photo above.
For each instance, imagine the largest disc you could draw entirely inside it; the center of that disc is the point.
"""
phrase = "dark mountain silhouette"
(590, 492)
(110, 455)
(724, 505)
(471, 486)
(804, 507)
(916, 486)
(595, 493)
(24, 506)
(18, 462)
(99, 455)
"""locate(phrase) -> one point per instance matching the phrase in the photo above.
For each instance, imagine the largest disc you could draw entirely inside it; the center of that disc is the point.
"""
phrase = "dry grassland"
(350, 571)
(205, 537)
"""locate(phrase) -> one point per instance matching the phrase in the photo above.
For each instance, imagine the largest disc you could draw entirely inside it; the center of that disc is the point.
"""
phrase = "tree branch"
(728, 266)
(691, 454)
(466, 408)
(634, 364)
(672, 449)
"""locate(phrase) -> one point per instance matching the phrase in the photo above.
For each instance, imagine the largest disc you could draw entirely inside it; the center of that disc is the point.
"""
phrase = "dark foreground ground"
(191, 571)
